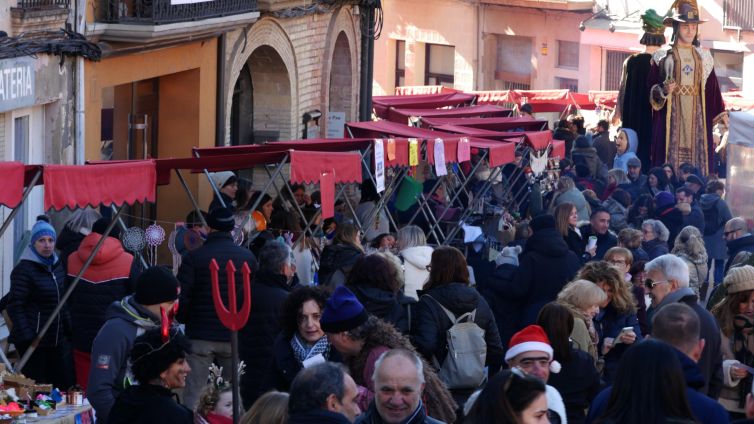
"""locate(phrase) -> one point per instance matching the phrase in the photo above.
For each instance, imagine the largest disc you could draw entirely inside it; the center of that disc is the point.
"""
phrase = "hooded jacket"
(535, 284)
(336, 262)
(697, 269)
(606, 149)
(109, 374)
(385, 305)
(705, 410)
(430, 323)
(148, 404)
(35, 291)
(618, 214)
(577, 198)
(621, 159)
(608, 323)
(106, 280)
(711, 361)
(714, 240)
(415, 274)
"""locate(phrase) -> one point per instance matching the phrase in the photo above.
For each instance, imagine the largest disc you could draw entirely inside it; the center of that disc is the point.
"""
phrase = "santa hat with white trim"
(531, 338)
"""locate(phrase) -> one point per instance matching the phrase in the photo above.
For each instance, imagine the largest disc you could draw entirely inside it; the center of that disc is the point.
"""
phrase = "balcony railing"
(155, 12)
(740, 14)
(43, 4)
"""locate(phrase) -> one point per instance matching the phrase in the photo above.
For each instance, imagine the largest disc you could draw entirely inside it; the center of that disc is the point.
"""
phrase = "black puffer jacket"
(578, 382)
(384, 305)
(430, 323)
(256, 339)
(506, 311)
(35, 291)
(104, 281)
(673, 220)
(285, 366)
(545, 266)
(741, 244)
(197, 309)
(149, 404)
(336, 262)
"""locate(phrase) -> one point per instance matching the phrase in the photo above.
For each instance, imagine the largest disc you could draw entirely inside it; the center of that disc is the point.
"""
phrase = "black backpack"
(711, 219)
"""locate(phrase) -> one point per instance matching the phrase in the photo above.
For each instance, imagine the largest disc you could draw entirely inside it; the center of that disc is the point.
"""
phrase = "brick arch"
(265, 32)
(343, 22)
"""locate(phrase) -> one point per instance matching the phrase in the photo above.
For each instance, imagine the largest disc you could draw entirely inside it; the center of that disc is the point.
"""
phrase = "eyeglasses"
(651, 284)
(727, 233)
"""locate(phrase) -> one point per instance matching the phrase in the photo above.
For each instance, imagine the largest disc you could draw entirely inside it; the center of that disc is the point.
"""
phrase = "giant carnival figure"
(633, 108)
(684, 94)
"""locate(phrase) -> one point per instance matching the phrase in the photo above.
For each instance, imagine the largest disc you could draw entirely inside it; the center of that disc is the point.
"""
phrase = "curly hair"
(377, 333)
(291, 308)
(602, 272)
(209, 397)
(725, 310)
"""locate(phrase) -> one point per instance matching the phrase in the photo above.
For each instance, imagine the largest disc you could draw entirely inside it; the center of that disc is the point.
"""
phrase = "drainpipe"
(79, 147)
(220, 97)
(367, 60)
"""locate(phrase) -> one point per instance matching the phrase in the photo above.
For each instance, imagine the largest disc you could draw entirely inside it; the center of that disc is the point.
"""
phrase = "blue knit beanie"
(41, 229)
(664, 200)
(343, 312)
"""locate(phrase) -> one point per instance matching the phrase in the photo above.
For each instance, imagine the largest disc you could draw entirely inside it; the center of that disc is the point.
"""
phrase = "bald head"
(735, 228)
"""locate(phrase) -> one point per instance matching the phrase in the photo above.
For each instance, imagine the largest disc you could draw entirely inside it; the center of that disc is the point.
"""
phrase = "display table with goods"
(23, 400)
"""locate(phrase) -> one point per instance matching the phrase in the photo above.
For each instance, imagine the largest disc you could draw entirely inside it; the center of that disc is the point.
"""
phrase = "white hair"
(405, 353)
(672, 267)
(660, 230)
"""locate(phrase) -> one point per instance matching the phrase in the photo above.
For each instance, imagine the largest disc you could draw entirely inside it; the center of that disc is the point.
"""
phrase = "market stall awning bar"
(492, 124)
(307, 167)
(76, 186)
(402, 115)
(314, 145)
(382, 104)
(539, 140)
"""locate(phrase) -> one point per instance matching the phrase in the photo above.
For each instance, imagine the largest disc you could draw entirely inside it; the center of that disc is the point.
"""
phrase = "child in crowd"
(215, 404)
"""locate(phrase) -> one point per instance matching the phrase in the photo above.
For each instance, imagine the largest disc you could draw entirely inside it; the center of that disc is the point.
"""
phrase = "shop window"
(568, 54)
(568, 84)
(440, 67)
(614, 68)
(400, 63)
(513, 62)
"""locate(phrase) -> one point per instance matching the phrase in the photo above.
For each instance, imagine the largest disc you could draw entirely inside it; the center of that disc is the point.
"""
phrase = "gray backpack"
(464, 364)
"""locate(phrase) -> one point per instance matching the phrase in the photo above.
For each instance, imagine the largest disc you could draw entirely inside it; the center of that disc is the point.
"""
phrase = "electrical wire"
(61, 43)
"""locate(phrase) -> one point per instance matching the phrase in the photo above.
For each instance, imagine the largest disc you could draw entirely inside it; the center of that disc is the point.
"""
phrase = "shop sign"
(17, 89)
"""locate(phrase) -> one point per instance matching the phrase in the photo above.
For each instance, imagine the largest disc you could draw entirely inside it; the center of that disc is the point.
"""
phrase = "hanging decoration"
(154, 236)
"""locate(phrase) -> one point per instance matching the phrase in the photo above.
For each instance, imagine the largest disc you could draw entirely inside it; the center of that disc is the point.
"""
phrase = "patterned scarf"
(302, 351)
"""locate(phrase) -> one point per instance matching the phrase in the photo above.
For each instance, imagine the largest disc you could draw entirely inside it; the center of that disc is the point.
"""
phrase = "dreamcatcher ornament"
(134, 240)
(154, 236)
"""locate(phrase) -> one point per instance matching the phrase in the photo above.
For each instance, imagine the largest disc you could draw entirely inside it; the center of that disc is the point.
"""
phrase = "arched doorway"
(242, 109)
(270, 96)
(341, 78)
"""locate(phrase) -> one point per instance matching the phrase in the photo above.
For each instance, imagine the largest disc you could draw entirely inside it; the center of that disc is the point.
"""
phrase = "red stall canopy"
(492, 124)
(539, 140)
(215, 163)
(13, 183)
(499, 153)
(381, 104)
(307, 167)
(602, 99)
(114, 183)
(314, 145)
(401, 115)
(480, 132)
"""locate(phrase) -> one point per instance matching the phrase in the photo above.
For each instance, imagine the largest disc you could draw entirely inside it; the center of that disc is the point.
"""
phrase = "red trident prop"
(233, 319)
